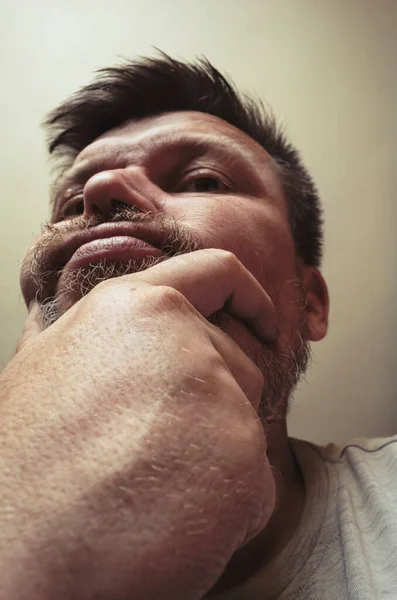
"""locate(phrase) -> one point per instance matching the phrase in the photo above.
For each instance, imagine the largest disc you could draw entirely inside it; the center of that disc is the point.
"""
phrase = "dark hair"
(149, 86)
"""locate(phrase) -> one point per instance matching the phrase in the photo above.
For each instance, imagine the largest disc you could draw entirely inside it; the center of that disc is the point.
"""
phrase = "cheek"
(262, 241)
(258, 235)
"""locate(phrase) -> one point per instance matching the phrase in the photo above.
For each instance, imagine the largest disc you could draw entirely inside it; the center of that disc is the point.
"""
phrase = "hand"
(132, 456)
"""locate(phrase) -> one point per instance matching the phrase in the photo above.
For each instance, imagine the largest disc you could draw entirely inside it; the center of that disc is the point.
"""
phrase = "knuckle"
(249, 434)
(226, 257)
(248, 444)
(168, 297)
(161, 298)
(218, 370)
(104, 294)
(102, 287)
(256, 376)
(129, 296)
(99, 292)
(153, 296)
(253, 383)
(109, 292)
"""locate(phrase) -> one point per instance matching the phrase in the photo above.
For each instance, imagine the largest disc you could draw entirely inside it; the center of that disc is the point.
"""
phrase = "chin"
(75, 284)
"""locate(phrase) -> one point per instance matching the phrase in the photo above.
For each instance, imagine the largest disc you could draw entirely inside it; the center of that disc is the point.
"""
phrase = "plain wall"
(327, 68)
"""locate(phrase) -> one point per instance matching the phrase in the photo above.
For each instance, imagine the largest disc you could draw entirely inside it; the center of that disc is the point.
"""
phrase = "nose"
(107, 191)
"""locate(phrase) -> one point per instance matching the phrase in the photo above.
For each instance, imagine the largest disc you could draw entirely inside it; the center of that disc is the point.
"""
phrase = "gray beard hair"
(178, 239)
(77, 283)
(283, 371)
(282, 368)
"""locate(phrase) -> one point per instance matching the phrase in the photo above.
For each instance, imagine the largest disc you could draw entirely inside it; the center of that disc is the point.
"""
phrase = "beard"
(57, 290)
(284, 363)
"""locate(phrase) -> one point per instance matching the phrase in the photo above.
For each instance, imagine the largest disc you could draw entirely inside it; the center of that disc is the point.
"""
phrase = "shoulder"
(367, 468)
(363, 449)
(362, 463)
(358, 448)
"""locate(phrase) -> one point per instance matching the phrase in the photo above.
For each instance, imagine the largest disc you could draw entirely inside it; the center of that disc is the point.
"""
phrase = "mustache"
(43, 271)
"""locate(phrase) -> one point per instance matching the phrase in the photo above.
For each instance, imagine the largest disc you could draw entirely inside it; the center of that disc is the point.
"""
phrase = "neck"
(283, 522)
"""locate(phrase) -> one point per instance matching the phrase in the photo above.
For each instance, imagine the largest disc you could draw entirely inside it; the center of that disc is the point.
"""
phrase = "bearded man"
(172, 298)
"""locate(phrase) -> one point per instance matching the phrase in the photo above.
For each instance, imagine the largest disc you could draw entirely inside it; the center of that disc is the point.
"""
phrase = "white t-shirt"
(345, 547)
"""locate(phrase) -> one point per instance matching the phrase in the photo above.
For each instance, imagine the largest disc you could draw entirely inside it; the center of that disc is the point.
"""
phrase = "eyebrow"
(191, 144)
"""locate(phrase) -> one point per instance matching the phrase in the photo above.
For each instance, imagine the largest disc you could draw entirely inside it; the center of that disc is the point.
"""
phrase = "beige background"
(328, 68)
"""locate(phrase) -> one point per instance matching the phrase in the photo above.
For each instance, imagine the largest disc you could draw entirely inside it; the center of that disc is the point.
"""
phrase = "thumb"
(34, 325)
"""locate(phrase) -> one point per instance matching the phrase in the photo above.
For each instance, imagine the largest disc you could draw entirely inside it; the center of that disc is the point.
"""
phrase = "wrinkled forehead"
(181, 128)
(187, 123)
(184, 133)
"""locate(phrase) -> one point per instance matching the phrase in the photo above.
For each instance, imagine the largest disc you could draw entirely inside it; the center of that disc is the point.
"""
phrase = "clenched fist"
(133, 463)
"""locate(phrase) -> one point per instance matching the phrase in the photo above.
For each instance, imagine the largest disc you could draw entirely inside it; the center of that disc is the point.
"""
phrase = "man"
(172, 299)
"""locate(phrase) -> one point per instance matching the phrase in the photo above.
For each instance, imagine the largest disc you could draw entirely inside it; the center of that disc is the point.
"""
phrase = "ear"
(317, 304)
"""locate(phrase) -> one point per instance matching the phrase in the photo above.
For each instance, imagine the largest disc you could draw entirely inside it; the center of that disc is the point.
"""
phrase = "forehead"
(188, 123)
(179, 128)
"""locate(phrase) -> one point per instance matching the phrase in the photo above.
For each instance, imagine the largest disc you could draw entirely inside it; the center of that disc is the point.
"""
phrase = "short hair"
(148, 86)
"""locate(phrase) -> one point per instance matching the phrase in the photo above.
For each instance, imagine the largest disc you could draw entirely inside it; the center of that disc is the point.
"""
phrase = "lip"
(114, 248)
(58, 259)
(139, 231)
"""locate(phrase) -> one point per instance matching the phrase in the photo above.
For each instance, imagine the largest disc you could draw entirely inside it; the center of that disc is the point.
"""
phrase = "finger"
(214, 279)
(33, 326)
(246, 373)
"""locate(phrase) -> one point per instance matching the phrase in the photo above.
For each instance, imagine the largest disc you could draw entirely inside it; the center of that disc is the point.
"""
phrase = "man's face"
(192, 181)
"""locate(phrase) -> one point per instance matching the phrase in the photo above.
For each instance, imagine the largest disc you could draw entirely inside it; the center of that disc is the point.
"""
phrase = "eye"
(207, 184)
(202, 184)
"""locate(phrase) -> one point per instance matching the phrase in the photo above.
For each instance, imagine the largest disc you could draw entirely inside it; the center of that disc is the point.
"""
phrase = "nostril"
(95, 210)
(79, 208)
(118, 205)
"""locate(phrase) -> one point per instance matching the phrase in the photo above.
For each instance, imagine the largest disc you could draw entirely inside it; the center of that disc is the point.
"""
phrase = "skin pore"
(205, 184)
